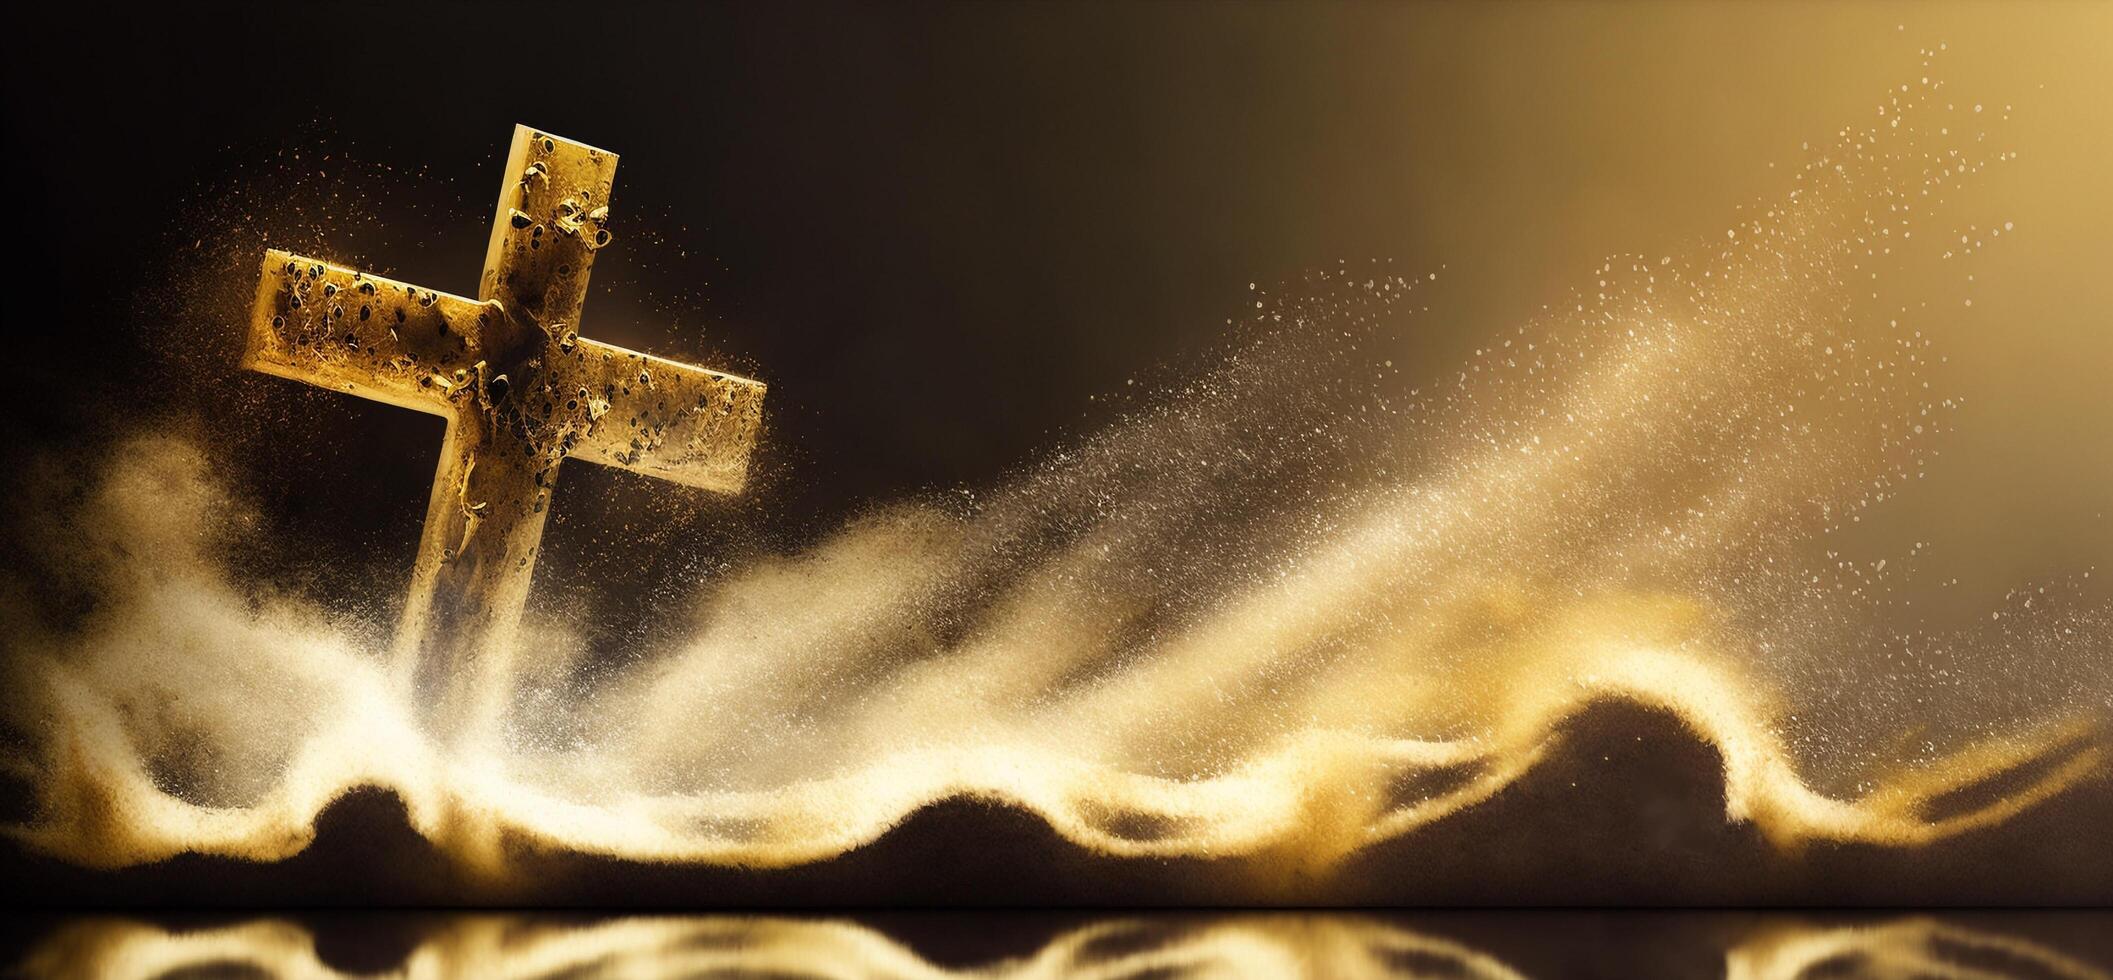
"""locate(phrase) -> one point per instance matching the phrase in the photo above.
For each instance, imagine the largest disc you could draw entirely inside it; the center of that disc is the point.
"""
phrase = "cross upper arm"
(660, 417)
(348, 331)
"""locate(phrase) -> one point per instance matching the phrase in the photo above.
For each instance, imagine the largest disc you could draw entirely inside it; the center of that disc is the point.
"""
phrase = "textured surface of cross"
(521, 391)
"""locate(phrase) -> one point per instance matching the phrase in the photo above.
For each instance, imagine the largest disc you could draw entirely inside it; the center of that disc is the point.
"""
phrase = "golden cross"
(521, 390)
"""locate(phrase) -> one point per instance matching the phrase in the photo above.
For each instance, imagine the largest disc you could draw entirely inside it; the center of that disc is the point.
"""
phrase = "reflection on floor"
(1480, 946)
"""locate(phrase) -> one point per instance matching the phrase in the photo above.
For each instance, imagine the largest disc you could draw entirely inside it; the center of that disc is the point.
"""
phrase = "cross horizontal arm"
(660, 417)
(349, 331)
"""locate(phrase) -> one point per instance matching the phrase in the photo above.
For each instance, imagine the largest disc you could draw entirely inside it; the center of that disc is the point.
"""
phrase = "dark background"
(944, 234)
(939, 232)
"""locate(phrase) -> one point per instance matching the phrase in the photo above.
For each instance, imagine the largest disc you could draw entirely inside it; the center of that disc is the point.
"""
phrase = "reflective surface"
(1735, 946)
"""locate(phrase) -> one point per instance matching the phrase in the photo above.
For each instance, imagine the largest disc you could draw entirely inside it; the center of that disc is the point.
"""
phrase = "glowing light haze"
(1289, 609)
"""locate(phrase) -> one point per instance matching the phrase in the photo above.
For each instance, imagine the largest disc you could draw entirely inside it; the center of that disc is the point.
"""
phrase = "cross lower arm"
(349, 331)
(662, 418)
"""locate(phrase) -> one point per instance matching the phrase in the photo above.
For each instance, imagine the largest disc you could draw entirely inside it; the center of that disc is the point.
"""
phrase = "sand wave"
(1313, 797)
